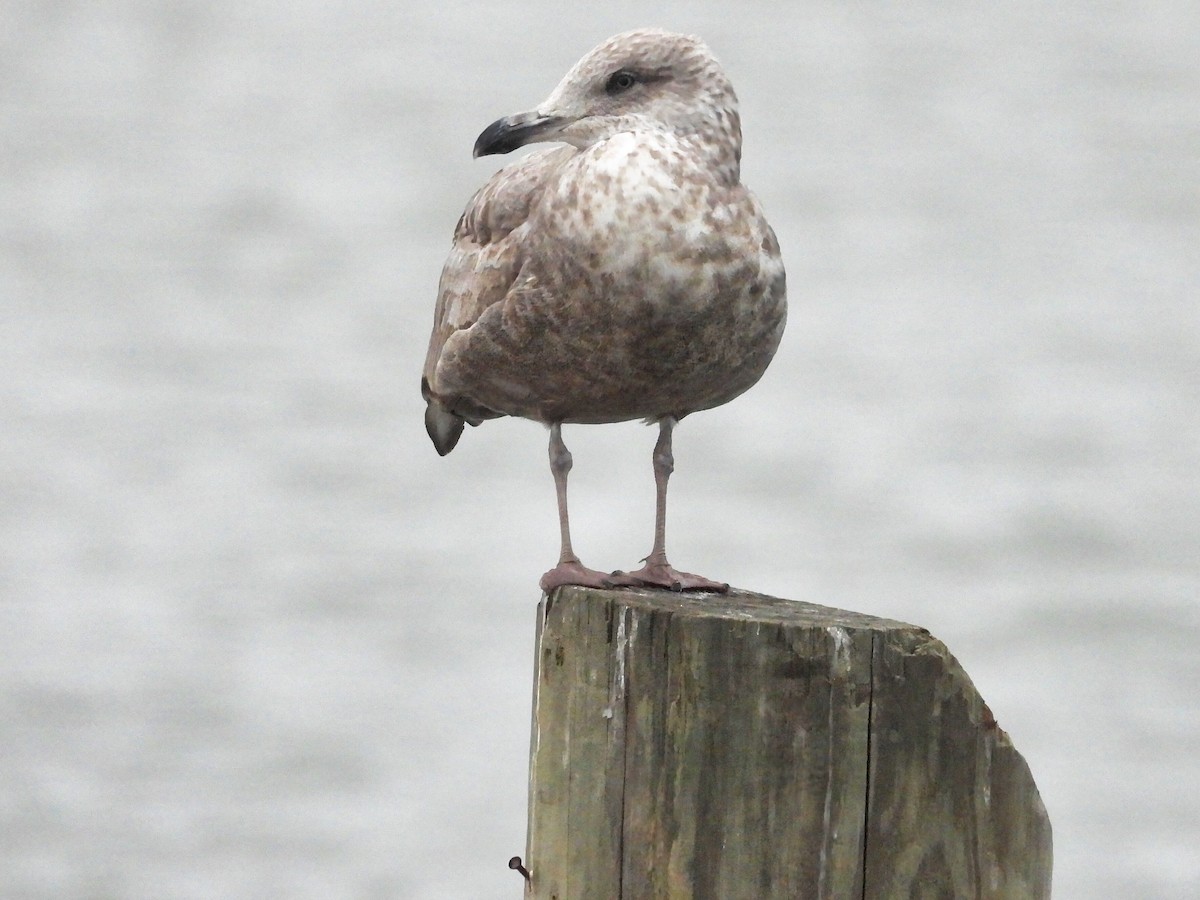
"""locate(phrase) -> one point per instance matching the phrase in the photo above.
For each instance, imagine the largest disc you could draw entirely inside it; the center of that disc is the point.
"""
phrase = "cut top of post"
(739, 605)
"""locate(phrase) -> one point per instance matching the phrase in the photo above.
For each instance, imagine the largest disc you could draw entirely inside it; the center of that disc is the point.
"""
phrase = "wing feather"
(485, 264)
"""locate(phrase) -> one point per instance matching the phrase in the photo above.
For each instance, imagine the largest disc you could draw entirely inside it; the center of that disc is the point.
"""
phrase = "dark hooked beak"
(507, 134)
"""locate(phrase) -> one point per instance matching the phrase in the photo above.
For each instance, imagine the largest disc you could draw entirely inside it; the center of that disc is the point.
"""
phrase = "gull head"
(644, 80)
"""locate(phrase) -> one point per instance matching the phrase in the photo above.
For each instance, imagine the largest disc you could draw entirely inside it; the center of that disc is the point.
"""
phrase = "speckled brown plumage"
(628, 274)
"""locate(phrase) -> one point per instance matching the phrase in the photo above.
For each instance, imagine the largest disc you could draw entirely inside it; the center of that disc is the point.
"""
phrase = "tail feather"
(443, 426)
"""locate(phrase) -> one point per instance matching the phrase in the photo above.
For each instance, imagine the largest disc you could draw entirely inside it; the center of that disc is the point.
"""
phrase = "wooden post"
(735, 746)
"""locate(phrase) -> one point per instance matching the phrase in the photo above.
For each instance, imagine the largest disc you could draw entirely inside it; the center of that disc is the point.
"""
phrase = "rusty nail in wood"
(515, 863)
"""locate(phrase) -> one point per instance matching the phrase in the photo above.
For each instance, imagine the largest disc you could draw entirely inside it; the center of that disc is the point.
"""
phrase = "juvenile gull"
(625, 274)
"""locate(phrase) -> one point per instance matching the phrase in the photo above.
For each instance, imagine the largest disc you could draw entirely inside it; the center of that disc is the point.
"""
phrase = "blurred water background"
(258, 640)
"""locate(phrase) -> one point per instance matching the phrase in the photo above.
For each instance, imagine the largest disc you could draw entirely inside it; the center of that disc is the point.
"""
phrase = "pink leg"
(657, 572)
(569, 569)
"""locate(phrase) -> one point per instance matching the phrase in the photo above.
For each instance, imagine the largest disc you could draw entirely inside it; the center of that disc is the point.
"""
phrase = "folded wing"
(485, 263)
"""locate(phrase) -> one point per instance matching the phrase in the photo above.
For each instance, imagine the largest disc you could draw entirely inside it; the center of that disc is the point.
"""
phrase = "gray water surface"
(258, 640)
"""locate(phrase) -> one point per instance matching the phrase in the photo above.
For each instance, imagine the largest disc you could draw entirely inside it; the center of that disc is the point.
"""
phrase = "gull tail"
(443, 426)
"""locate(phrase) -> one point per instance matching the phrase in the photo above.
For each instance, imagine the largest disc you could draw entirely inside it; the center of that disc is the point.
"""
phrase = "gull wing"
(484, 265)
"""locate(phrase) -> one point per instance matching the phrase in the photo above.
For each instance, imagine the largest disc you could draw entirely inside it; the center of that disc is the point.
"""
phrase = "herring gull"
(625, 274)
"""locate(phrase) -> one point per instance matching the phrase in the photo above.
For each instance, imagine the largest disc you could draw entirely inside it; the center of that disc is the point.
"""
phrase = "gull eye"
(619, 82)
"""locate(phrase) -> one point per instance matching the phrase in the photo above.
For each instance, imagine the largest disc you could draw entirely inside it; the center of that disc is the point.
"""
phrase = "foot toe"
(574, 573)
(667, 576)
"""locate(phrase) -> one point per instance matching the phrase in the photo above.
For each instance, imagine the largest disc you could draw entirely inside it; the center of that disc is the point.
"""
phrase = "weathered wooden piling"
(733, 746)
